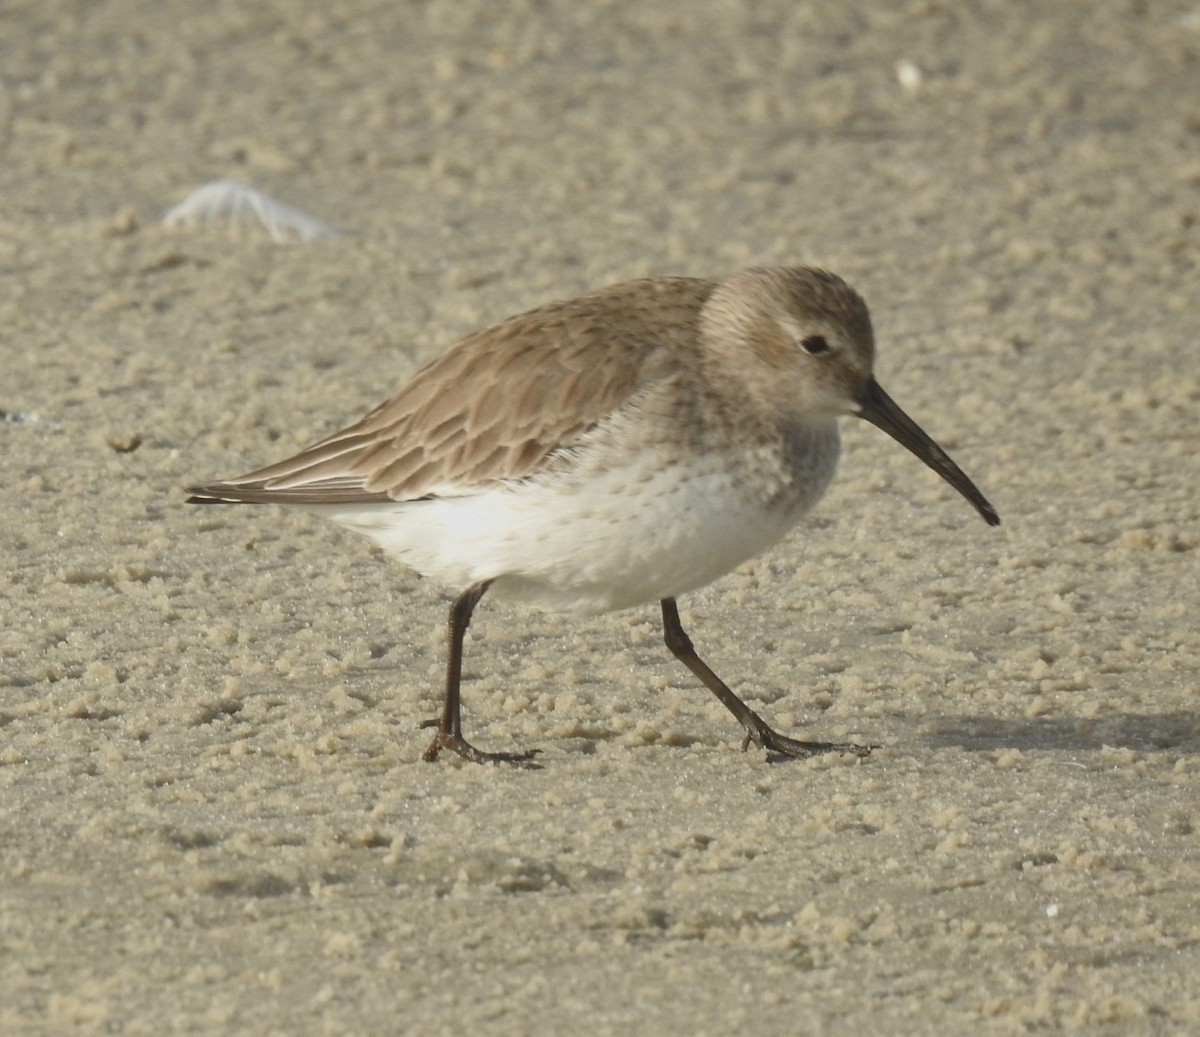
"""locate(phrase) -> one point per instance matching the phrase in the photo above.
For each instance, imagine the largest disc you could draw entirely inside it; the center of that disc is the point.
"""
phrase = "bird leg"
(449, 724)
(758, 730)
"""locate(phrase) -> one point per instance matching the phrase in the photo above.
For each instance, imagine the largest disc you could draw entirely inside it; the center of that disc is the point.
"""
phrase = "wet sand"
(215, 818)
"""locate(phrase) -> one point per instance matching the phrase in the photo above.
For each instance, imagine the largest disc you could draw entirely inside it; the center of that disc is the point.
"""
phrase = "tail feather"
(331, 492)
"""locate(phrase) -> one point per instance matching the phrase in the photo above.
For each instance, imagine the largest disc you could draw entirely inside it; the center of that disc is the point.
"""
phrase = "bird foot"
(776, 745)
(457, 744)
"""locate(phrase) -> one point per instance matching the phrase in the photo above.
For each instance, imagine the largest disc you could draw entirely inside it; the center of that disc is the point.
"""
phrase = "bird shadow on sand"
(1141, 732)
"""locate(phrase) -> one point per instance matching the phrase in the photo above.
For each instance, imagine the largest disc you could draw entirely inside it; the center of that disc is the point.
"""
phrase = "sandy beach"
(214, 816)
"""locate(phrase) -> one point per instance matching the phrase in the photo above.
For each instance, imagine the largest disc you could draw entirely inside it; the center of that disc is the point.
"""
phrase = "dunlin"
(612, 450)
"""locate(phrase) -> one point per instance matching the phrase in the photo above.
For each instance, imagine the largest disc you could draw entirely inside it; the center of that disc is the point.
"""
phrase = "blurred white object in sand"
(909, 75)
(224, 201)
(16, 417)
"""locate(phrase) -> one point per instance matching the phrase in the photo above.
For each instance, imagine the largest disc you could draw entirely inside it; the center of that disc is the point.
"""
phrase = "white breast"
(597, 538)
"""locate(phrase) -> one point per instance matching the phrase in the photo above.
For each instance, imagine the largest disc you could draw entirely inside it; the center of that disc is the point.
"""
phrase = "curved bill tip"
(881, 410)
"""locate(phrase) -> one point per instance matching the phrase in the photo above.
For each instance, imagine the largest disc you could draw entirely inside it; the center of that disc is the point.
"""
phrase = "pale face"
(800, 342)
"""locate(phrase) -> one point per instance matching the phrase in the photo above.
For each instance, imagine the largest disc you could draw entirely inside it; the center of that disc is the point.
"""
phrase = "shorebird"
(620, 448)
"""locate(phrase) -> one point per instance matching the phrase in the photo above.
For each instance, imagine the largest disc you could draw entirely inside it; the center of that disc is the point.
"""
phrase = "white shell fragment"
(234, 204)
(909, 76)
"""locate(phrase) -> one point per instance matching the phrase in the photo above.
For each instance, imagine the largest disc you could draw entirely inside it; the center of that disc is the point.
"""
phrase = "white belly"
(619, 537)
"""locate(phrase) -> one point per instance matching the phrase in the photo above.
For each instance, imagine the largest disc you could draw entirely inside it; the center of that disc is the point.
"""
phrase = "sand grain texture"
(214, 818)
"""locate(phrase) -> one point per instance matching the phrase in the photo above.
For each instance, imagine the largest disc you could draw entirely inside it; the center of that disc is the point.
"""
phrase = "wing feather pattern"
(493, 407)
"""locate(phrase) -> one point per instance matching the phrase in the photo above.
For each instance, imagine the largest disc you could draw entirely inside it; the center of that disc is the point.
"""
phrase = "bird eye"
(815, 344)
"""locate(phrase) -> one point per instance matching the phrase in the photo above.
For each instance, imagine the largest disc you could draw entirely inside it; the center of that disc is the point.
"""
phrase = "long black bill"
(881, 410)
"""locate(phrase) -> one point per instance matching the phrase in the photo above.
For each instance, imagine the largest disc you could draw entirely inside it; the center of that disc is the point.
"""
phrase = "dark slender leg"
(757, 729)
(449, 724)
